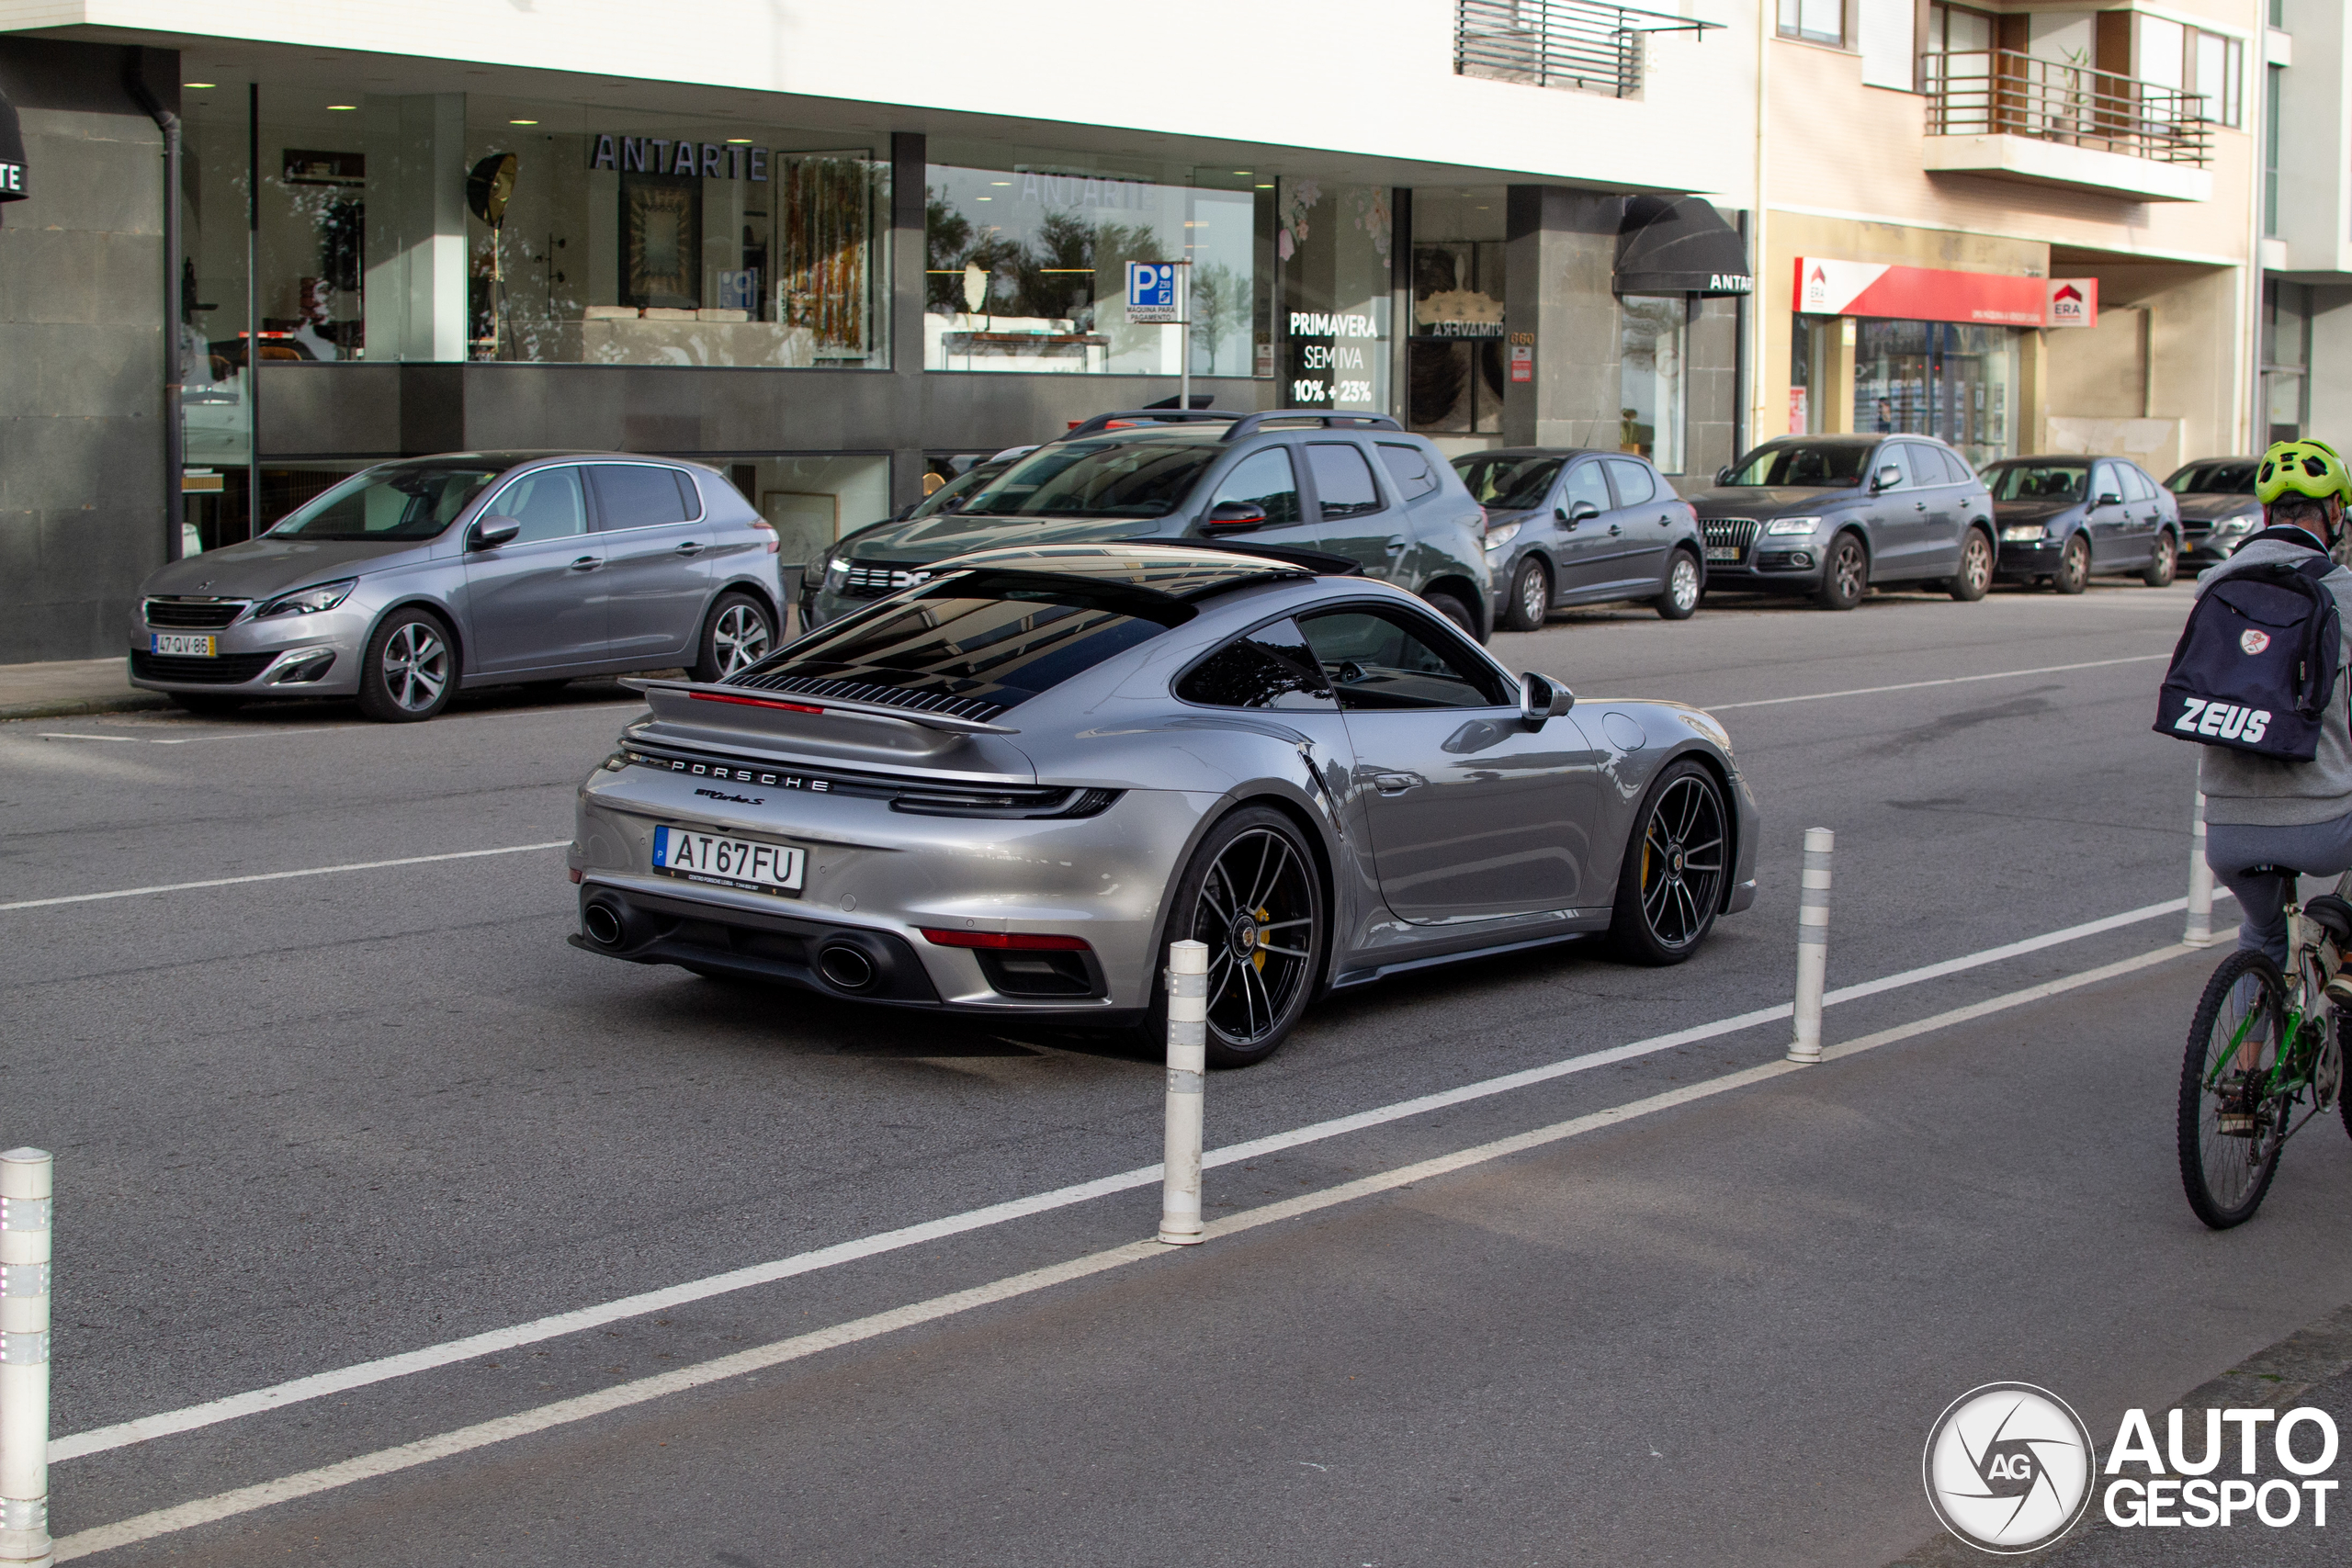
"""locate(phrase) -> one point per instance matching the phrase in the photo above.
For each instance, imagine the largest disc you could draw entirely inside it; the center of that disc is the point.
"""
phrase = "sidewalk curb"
(67, 707)
(2272, 1377)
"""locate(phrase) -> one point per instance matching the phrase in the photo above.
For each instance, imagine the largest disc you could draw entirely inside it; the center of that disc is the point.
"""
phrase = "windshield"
(1142, 478)
(1820, 464)
(960, 488)
(2039, 481)
(1508, 484)
(401, 501)
(998, 638)
(2235, 478)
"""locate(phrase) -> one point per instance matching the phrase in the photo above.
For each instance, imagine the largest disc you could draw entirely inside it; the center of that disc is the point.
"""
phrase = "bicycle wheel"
(2230, 1123)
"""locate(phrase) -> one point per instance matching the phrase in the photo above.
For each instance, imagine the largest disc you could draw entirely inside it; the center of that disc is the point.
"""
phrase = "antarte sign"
(656, 155)
(12, 155)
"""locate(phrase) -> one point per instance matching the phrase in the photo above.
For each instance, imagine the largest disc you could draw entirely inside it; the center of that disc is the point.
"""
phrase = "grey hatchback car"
(1352, 485)
(1568, 526)
(410, 580)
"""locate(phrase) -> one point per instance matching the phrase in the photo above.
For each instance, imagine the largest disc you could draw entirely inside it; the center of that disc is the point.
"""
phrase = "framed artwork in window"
(662, 242)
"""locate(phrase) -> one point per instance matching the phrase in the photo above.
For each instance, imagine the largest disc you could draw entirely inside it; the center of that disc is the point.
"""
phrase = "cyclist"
(2265, 810)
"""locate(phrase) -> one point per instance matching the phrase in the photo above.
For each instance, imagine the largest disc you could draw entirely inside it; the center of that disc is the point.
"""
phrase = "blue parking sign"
(1151, 293)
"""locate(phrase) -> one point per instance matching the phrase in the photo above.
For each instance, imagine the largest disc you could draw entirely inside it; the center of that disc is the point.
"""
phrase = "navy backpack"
(2256, 662)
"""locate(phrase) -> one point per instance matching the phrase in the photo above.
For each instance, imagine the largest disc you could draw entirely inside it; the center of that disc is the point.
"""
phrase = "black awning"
(1679, 244)
(12, 155)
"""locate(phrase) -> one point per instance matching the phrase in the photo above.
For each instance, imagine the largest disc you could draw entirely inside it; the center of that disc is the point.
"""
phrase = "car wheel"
(1976, 574)
(206, 704)
(2074, 566)
(739, 634)
(2166, 563)
(1252, 894)
(1455, 610)
(1681, 596)
(1672, 881)
(409, 670)
(1529, 600)
(1846, 575)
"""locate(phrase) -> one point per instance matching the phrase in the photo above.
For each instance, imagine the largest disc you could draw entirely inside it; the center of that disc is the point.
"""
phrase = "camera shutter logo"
(2009, 1467)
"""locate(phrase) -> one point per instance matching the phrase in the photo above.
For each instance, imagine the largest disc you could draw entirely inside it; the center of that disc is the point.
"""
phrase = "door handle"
(1920, 504)
(690, 547)
(1666, 520)
(1615, 529)
(1395, 546)
(1396, 784)
(586, 563)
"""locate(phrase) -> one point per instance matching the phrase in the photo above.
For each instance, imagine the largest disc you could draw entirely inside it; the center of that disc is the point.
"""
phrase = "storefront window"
(1333, 244)
(1025, 270)
(1938, 379)
(444, 226)
(1454, 347)
(1653, 335)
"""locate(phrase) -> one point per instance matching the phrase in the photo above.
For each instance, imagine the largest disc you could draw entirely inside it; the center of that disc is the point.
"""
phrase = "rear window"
(1409, 467)
(975, 644)
(639, 495)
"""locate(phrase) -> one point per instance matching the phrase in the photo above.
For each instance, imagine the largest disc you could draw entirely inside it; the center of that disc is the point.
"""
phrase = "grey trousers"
(2317, 848)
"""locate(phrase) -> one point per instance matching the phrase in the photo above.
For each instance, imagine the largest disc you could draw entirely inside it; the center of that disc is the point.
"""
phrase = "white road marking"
(508, 714)
(1949, 680)
(361, 1374)
(424, 1451)
(278, 876)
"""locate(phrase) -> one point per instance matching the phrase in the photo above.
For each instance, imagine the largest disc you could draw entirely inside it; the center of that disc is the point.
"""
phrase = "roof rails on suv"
(1241, 424)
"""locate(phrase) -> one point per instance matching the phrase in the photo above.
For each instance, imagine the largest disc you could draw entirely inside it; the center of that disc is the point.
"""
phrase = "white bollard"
(2199, 932)
(1812, 943)
(1188, 1014)
(24, 1177)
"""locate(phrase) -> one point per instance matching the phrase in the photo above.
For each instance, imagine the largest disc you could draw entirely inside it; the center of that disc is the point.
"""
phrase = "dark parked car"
(1353, 485)
(1830, 516)
(2217, 507)
(2066, 520)
(946, 498)
(1568, 526)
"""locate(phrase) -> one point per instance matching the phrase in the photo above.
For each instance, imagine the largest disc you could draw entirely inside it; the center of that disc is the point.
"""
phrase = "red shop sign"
(1826, 287)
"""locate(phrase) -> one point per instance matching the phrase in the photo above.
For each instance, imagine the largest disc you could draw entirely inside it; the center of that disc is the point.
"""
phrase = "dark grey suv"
(1829, 515)
(1569, 526)
(1353, 485)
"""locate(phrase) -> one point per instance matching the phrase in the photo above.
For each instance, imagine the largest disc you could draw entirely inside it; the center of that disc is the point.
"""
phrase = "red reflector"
(752, 701)
(575, 879)
(1003, 939)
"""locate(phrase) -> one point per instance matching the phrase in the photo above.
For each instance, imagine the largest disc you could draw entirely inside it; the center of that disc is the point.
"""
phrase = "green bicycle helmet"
(2301, 467)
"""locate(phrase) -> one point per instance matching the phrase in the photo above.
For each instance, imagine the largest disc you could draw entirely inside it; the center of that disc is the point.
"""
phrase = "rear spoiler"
(740, 696)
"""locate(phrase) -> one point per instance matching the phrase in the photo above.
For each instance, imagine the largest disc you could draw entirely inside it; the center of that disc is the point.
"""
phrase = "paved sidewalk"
(70, 686)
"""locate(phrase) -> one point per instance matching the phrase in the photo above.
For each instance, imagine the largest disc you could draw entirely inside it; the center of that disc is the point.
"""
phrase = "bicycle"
(2262, 1047)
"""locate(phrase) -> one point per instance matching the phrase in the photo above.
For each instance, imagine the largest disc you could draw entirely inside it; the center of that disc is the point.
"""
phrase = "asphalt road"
(305, 1122)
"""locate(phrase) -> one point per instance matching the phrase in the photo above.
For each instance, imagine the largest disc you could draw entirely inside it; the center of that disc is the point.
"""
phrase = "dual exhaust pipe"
(847, 962)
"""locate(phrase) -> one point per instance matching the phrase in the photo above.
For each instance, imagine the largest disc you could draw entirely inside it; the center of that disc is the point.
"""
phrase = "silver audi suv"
(412, 579)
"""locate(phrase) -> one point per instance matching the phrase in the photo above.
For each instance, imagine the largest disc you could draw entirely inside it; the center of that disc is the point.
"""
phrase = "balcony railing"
(2001, 91)
(1559, 43)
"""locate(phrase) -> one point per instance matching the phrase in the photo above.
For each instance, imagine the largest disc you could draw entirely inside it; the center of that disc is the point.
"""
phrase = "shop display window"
(1333, 245)
(1938, 379)
(1652, 377)
(440, 227)
(1454, 344)
(1025, 270)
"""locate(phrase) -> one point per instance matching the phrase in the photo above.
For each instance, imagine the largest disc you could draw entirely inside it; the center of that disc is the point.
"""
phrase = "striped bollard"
(25, 1176)
(1188, 1015)
(1812, 943)
(2199, 931)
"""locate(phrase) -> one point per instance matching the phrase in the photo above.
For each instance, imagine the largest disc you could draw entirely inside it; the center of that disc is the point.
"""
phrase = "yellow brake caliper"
(1258, 958)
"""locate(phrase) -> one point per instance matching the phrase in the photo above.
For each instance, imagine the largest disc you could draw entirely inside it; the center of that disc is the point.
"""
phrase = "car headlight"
(2244, 522)
(2023, 533)
(1791, 526)
(308, 601)
(1497, 537)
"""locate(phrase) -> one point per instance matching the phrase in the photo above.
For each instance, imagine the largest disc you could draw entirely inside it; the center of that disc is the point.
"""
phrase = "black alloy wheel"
(739, 635)
(1455, 610)
(1846, 575)
(410, 670)
(1255, 899)
(1671, 884)
(2074, 566)
(2165, 564)
(1683, 586)
(1529, 600)
(1976, 574)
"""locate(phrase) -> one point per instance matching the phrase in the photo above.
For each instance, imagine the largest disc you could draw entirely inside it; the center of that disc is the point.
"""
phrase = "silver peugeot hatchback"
(411, 581)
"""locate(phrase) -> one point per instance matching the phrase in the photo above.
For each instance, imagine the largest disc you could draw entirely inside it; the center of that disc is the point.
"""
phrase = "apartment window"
(2277, 79)
(2286, 359)
(1821, 22)
(2216, 69)
(1956, 30)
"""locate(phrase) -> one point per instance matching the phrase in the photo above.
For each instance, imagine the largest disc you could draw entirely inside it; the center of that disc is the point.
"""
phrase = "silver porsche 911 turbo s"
(1003, 792)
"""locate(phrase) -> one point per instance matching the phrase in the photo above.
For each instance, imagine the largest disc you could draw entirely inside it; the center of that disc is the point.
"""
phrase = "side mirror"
(1723, 475)
(1540, 699)
(488, 533)
(1580, 511)
(1234, 517)
(2109, 498)
(1887, 478)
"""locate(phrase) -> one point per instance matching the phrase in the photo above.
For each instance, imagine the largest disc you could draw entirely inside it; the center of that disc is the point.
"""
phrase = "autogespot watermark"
(2010, 1468)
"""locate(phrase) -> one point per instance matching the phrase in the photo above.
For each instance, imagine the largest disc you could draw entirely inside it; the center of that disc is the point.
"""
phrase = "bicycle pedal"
(2233, 1125)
